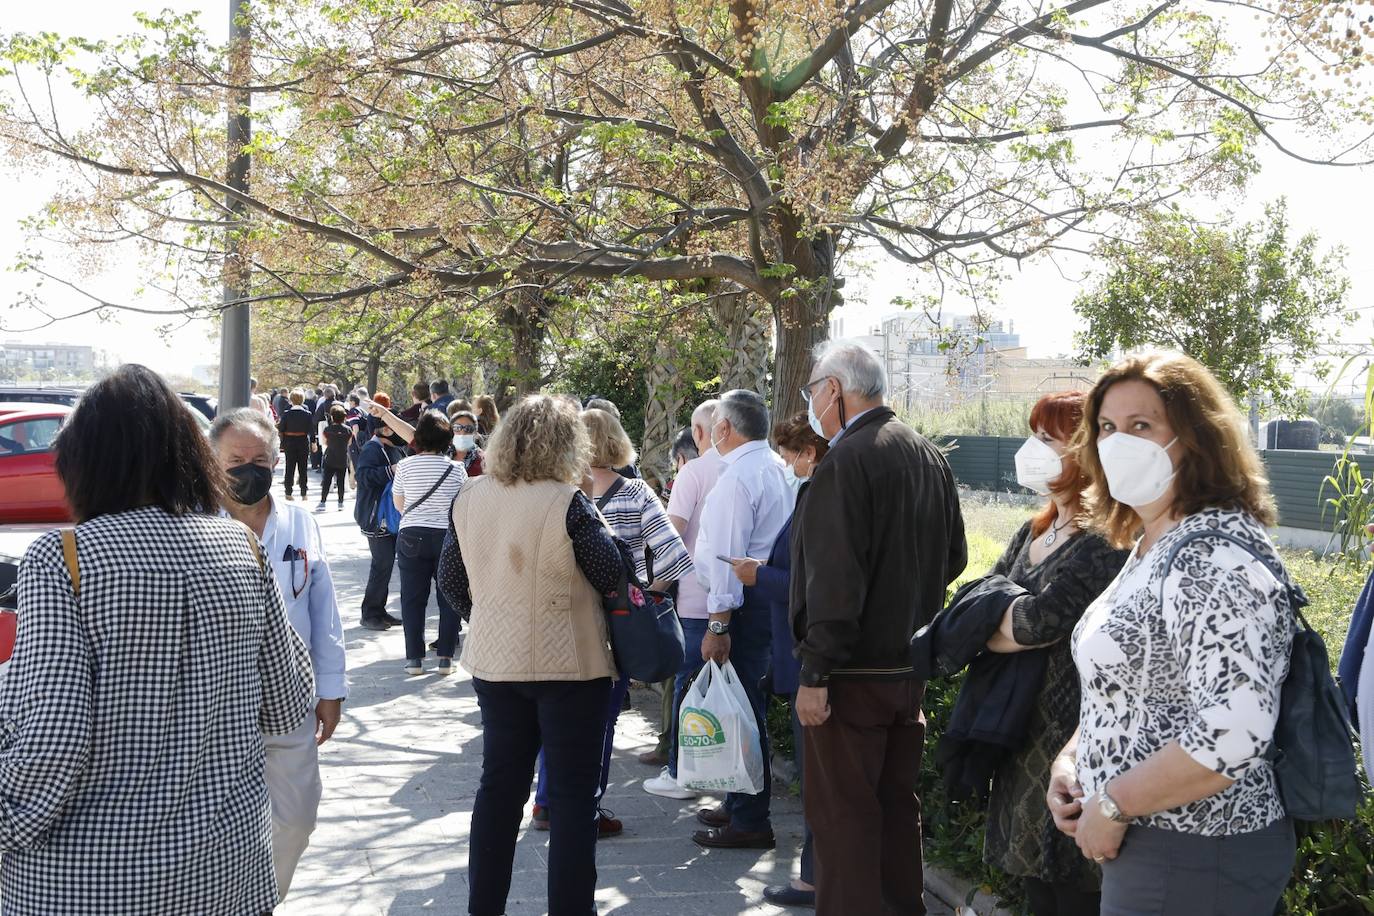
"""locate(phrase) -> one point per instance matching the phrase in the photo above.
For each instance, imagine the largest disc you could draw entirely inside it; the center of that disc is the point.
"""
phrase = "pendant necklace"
(1053, 534)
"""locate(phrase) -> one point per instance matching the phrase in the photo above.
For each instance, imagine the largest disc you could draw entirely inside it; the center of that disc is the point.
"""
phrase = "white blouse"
(1203, 666)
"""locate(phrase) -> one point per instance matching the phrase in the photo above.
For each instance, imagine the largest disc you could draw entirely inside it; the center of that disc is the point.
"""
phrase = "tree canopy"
(470, 152)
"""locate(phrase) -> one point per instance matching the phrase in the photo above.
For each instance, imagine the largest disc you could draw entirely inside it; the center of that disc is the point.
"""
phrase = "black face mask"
(250, 483)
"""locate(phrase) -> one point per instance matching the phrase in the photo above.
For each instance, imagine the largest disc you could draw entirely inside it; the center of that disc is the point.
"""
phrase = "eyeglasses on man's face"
(806, 389)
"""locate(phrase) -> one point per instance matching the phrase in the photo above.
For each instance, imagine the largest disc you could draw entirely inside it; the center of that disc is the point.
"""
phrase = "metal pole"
(234, 319)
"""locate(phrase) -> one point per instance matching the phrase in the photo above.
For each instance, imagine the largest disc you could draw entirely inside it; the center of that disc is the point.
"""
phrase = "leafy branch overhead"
(1245, 302)
(433, 146)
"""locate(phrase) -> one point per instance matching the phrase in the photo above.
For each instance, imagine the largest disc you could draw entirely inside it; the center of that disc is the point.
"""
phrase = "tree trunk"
(662, 407)
(374, 371)
(747, 322)
(525, 316)
(802, 323)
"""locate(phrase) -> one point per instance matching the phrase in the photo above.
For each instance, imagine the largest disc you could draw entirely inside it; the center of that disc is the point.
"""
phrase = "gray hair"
(746, 411)
(705, 413)
(603, 404)
(857, 368)
(246, 420)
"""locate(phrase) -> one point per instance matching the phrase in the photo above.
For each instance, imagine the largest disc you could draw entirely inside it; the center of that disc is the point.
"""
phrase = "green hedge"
(1334, 871)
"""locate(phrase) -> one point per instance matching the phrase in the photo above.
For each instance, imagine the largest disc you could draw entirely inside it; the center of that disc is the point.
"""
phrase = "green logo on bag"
(699, 729)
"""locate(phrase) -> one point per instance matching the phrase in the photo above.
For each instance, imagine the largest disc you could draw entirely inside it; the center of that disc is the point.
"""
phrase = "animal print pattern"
(1200, 662)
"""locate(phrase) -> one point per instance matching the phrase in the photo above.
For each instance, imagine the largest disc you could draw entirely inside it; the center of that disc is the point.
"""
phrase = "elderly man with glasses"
(876, 539)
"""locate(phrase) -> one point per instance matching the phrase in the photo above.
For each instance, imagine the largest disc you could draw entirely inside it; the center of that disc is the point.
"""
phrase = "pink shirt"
(696, 479)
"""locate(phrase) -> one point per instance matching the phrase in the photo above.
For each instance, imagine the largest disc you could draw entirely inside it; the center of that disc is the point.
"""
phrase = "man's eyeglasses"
(806, 389)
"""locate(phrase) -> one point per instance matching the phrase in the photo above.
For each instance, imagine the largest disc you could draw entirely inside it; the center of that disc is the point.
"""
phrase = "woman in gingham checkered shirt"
(131, 721)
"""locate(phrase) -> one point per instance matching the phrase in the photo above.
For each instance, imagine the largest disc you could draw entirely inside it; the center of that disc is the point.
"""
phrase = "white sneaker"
(665, 786)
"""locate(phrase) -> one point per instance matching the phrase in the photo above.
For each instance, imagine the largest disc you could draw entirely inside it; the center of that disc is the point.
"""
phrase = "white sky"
(1334, 202)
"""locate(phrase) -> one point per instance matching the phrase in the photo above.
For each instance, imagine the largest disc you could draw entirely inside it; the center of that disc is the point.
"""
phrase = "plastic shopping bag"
(718, 736)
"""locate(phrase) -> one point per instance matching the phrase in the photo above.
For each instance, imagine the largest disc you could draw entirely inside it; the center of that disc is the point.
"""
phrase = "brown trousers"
(862, 770)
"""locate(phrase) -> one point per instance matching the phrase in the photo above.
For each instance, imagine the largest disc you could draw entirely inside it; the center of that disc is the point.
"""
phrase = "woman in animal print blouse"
(1166, 783)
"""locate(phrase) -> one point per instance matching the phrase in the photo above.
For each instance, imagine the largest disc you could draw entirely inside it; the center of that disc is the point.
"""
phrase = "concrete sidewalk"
(401, 772)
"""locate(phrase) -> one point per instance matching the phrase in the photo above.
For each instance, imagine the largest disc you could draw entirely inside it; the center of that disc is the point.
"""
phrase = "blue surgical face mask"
(793, 481)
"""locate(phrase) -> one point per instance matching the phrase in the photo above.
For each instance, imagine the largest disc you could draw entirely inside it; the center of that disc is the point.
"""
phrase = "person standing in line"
(637, 518)
(359, 425)
(151, 662)
(876, 539)
(281, 403)
(337, 439)
(320, 419)
(419, 403)
(257, 401)
(295, 427)
(801, 450)
(484, 406)
(376, 466)
(742, 517)
(439, 396)
(1064, 567)
(465, 447)
(538, 650)
(695, 480)
(423, 489)
(246, 445)
(683, 450)
(1167, 784)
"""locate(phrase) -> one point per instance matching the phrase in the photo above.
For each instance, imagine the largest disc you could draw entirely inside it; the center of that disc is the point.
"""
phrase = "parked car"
(65, 395)
(29, 488)
(204, 404)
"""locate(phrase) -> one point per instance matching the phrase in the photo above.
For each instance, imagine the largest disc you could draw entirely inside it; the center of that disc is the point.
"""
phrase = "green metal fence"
(1296, 477)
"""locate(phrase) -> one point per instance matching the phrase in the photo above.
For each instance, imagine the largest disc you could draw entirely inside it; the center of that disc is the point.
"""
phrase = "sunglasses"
(465, 428)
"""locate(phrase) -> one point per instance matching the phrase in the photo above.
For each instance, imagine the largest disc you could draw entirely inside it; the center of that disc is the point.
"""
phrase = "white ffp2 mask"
(1138, 471)
(1037, 465)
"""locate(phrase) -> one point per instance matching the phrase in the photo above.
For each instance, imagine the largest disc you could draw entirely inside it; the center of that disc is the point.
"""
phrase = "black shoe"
(434, 646)
(787, 895)
(375, 623)
(391, 619)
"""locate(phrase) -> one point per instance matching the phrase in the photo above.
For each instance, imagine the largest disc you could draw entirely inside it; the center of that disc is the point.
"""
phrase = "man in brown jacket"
(876, 539)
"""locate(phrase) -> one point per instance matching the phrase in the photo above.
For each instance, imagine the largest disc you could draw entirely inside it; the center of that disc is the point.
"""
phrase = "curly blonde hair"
(611, 446)
(540, 438)
(1217, 466)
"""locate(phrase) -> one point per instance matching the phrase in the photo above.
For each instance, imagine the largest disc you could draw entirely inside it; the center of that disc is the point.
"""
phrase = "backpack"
(1313, 751)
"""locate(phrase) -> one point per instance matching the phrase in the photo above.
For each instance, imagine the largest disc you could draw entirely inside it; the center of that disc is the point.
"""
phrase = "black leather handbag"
(646, 636)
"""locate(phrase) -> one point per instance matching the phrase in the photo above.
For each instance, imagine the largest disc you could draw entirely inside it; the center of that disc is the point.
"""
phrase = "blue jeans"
(618, 691)
(516, 718)
(693, 631)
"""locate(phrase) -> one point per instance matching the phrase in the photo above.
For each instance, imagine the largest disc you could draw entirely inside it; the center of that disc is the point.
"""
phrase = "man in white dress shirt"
(741, 518)
(246, 443)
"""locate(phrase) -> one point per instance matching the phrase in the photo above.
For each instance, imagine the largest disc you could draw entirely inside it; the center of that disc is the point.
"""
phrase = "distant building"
(58, 360)
(963, 358)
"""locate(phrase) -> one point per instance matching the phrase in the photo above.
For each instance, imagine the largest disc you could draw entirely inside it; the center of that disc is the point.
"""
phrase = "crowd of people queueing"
(181, 658)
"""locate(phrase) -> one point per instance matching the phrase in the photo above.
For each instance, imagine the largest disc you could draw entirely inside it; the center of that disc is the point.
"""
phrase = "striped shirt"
(416, 476)
(639, 519)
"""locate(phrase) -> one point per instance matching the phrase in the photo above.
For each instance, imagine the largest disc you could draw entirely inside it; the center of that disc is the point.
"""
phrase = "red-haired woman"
(1065, 568)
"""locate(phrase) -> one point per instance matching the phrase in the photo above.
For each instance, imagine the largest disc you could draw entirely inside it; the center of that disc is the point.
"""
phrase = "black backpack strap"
(1297, 600)
(437, 484)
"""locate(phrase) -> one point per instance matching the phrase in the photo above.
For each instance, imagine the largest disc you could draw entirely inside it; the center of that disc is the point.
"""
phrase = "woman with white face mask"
(1166, 783)
(1063, 568)
(801, 450)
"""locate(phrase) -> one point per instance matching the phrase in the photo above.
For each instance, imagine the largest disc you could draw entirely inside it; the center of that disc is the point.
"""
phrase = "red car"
(29, 488)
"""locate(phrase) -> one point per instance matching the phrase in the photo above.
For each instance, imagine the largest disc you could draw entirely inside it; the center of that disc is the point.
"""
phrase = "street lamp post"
(234, 316)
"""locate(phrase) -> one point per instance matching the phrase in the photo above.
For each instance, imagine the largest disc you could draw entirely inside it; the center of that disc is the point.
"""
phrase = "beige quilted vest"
(535, 617)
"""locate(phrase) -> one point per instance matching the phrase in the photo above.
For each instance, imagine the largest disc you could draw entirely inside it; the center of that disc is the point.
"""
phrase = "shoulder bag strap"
(604, 499)
(69, 554)
(1296, 599)
(437, 484)
(255, 547)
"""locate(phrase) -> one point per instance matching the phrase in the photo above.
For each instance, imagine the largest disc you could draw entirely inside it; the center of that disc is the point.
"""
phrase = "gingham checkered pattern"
(131, 751)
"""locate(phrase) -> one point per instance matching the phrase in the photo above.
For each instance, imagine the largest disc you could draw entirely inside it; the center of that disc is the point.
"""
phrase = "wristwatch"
(1109, 808)
(718, 627)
